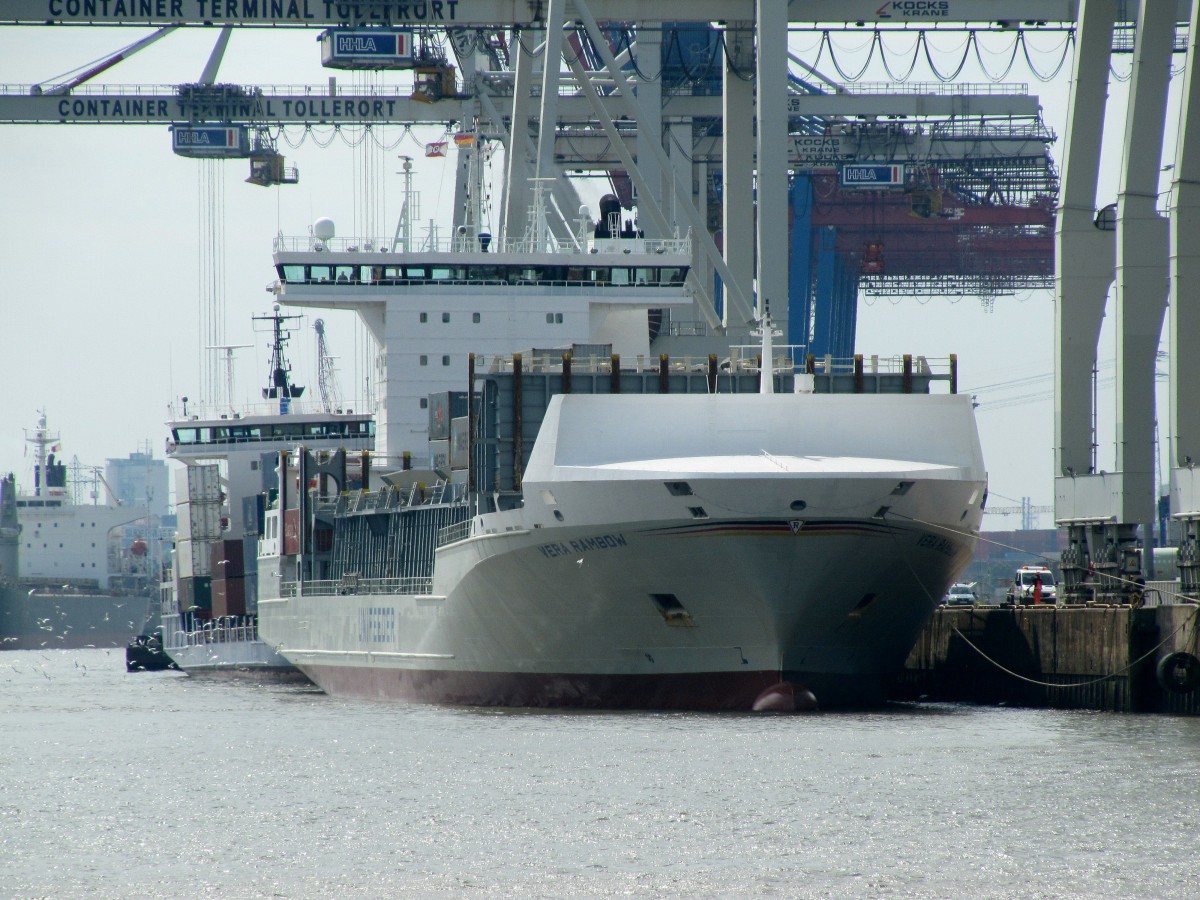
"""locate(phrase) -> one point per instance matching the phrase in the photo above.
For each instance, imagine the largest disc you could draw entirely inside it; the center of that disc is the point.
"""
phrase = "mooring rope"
(1007, 671)
(962, 532)
(1116, 674)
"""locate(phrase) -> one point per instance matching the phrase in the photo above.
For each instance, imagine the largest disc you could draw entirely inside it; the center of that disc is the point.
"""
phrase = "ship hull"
(668, 552)
(714, 691)
(672, 616)
(228, 653)
(33, 620)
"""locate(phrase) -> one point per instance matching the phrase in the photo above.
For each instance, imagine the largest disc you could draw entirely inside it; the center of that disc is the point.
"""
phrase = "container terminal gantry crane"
(754, 138)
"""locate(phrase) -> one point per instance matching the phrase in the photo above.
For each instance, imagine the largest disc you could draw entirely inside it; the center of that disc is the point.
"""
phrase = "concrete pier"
(1097, 658)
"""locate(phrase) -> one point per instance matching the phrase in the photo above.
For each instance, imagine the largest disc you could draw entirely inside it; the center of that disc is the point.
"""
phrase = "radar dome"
(324, 229)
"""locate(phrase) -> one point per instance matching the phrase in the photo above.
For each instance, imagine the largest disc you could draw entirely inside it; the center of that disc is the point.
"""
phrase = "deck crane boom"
(104, 65)
(331, 398)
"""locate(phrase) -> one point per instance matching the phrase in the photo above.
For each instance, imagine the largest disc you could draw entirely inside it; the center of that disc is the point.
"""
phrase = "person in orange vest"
(1037, 590)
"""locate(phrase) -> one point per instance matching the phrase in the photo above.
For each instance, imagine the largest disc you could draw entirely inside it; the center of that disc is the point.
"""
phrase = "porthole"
(798, 505)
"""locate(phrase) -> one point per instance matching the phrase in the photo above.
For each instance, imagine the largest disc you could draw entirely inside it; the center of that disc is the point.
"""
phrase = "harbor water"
(157, 784)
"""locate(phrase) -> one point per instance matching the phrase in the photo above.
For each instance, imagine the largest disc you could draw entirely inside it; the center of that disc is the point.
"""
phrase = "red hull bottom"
(704, 691)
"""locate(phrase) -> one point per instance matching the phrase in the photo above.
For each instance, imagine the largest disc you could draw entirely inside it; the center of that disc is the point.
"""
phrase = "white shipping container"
(199, 521)
(198, 483)
(458, 443)
(439, 455)
(194, 558)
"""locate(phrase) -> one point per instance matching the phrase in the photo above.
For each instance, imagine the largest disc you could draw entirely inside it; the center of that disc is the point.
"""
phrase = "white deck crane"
(331, 397)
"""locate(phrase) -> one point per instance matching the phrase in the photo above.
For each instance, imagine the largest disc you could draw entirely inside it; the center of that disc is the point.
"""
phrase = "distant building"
(140, 481)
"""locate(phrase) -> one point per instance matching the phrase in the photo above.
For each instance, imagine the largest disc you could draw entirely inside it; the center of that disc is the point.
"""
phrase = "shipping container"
(252, 513)
(444, 407)
(228, 597)
(195, 595)
(228, 559)
(198, 483)
(439, 455)
(193, 557)
(458, 443)
(201, 521)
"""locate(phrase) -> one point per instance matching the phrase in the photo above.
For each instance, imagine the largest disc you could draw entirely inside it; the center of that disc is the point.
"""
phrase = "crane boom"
(331, 400)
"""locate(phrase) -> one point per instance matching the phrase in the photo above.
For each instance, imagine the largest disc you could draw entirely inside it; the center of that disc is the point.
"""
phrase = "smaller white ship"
(73, 573)
(210, 604)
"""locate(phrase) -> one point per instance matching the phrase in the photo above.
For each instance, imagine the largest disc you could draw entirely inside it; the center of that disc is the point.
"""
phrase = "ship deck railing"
(470, 243)
(741, 358)
(214, 632)
(452, 534)
(224, 413)
(391, 497)
(351, 584)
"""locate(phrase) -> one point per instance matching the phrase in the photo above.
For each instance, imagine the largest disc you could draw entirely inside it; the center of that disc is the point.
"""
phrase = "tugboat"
(145, 654)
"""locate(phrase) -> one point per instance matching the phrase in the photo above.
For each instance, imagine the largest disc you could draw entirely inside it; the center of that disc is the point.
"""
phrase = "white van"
(1024, 590)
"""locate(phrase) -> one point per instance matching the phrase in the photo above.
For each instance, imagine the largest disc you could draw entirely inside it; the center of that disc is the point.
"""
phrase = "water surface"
(157, 784)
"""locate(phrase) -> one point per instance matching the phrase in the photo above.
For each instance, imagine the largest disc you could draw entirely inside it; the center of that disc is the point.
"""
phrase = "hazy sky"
(104, 234)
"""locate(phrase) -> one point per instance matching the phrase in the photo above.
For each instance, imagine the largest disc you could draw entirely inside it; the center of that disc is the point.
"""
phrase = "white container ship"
(595, 527)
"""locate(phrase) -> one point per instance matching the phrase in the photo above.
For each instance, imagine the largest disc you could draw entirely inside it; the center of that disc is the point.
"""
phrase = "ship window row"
(424, 318)
(233, 434)
(594, 276)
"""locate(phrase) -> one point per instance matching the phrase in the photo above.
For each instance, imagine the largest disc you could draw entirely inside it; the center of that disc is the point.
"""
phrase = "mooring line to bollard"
(1116, 674)
(961, 532)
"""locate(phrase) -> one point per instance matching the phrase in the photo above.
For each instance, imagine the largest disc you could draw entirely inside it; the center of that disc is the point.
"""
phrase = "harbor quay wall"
(1095, 658)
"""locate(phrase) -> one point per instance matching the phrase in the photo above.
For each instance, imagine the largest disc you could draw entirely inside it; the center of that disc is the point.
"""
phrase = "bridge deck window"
(596, 276)
(193, 436)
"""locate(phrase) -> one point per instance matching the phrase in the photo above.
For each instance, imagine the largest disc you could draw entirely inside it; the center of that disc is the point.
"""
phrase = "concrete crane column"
(1085, 255)
(771, 118)
(1142, 284)
(1185, 322)
(737, 155)
(1142, 260)
(1108, 507)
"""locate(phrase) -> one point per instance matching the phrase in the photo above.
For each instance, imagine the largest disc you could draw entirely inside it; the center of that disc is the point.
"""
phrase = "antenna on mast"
(228, 364)
(410, 209)
(767, 332)
(279, 384)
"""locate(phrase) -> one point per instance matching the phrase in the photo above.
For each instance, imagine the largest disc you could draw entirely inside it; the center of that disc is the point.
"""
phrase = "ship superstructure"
(430, 302)
(210, 606)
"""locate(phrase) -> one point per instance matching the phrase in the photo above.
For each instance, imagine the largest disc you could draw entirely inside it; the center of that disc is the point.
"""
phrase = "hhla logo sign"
(914, 9)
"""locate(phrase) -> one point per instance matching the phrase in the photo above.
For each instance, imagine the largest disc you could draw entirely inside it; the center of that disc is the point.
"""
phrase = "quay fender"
(1179, 672)
(785, 697)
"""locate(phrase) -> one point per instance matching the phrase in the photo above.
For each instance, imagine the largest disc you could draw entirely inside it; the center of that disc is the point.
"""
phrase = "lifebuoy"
(1179, 672)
